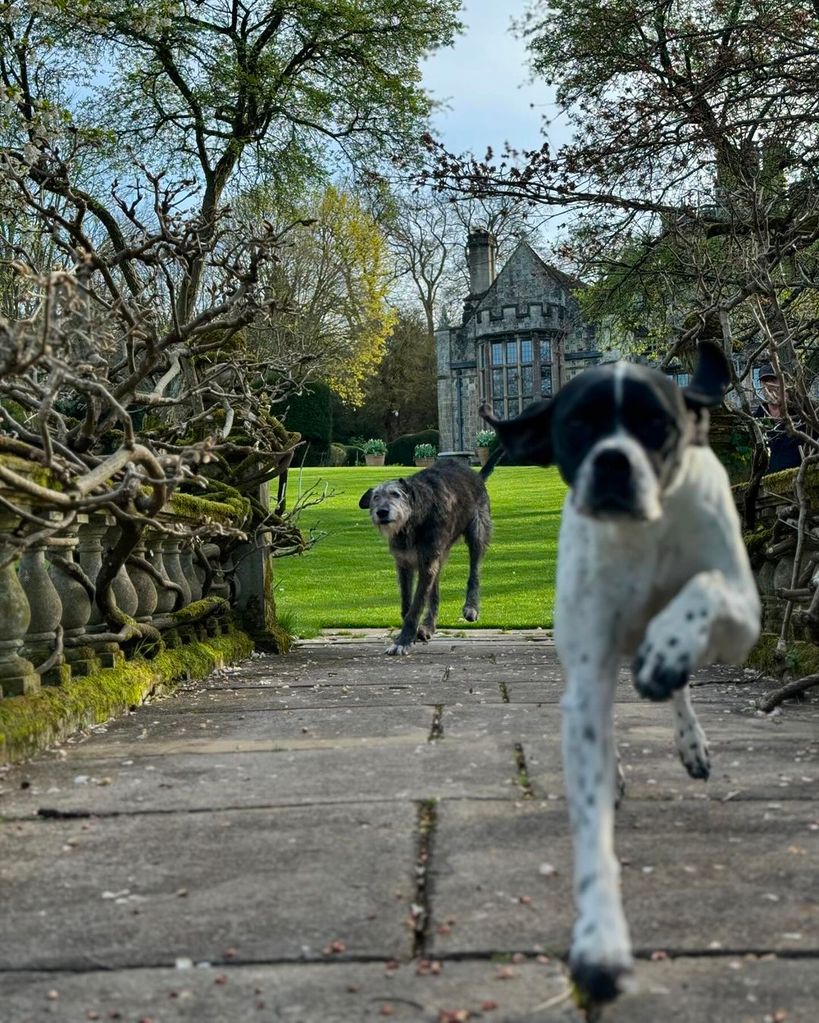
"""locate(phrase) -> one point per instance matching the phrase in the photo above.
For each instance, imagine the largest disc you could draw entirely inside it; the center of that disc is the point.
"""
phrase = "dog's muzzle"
(616, 482)
(613, 490)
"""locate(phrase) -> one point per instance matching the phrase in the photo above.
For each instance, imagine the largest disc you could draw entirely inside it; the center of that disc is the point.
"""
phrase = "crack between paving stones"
(422, 902)
(523, 780)
(48, 814)
(436, 730)
(95, 966)
(503, 691)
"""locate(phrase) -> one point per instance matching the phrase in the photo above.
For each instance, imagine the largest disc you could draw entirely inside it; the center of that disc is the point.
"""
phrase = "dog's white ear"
(526, 439)
(364, 501)
(712, 376)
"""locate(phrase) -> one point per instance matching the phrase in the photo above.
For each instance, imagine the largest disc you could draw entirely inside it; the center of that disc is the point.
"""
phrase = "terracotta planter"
(424, 463)
(374, 459)
(483, 455)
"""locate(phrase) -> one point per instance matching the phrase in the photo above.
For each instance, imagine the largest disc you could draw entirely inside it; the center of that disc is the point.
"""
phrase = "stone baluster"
(165, 598)
(219, 586)
(173, 566)
(74, 597)
(46, 614)
(175, 572)
(125, 594)
(90, 551)
(189, 570)
(17, 674)
(144, 585)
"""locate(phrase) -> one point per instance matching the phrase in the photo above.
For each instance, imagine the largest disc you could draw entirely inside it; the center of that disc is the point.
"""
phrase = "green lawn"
(348, 579)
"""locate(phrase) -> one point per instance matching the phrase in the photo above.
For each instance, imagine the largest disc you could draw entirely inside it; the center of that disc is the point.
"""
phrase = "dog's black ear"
(712, 377)
(526, 439)
(364, 501)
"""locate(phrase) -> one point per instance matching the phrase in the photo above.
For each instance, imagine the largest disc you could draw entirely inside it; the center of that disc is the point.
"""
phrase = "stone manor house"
(521, 338)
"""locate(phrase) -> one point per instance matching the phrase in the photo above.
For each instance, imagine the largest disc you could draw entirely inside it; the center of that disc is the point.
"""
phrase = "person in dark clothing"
(786, 451)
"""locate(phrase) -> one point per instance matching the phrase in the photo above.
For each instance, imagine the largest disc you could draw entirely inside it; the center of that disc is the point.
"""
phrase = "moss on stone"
(800, 658)
(198, 609)
(30, 723)
(38, 474)
(783, 484)
(230, 512)
(756, 542)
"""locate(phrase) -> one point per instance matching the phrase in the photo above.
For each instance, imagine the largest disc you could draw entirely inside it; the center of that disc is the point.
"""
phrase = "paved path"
(339, 836)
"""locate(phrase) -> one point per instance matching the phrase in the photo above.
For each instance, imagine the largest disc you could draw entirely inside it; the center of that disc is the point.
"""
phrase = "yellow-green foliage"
(340, 275)
(30, 723)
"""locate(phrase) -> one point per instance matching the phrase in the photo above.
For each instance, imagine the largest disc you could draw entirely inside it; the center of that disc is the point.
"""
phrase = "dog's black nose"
(383, 514)
(613, 466)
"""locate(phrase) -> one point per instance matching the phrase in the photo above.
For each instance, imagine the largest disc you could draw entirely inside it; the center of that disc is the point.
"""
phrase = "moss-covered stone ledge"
(29, 724)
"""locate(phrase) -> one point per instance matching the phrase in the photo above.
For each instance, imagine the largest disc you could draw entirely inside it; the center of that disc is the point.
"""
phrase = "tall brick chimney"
(481, 249)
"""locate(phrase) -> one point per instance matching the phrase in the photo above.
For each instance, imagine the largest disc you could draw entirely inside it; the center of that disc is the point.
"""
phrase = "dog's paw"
(599, 982)
(676, 642)
(470, 613)
(398, 649)
(600, 959)
(693, 749)
(425, 633)
(657, 674)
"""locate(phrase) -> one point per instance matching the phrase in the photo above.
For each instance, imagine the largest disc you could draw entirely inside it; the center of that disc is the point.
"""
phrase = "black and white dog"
(422, 517)
(651, 566)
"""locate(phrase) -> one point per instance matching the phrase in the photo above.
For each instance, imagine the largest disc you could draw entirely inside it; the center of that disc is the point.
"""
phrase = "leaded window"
(520, 372)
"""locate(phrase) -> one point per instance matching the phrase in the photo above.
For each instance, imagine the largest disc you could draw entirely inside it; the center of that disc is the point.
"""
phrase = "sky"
(484, 80)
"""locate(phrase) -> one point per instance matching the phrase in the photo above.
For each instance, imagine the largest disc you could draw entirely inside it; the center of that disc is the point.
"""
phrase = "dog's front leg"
(689, 736)
(427, 575)
(427, 629)
(601, 950)
(405, 580)
(711, 619)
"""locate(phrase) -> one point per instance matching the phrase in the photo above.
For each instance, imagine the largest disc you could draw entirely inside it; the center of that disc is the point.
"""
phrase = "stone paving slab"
(331, 993)
(174, 732)
(361, 772)
(146, 890)
(733, 989)
(251, 843)
(395, 694)
(501, 872)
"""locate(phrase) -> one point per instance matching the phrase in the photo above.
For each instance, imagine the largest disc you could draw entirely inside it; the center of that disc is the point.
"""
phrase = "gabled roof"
(487, 298)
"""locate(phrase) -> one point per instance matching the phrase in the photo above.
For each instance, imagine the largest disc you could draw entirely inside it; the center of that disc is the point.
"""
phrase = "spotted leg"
(689, 736)
(601, 950)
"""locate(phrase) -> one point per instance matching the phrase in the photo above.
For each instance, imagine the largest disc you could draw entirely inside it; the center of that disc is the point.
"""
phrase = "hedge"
(400, 451)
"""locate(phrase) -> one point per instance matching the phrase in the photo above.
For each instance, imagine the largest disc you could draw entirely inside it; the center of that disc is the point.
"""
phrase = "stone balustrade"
(773, 547)
(175, 585)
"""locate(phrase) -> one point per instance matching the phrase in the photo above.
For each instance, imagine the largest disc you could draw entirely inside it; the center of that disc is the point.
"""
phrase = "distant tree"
(332, 280)
(428, 234)
(401, 395)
